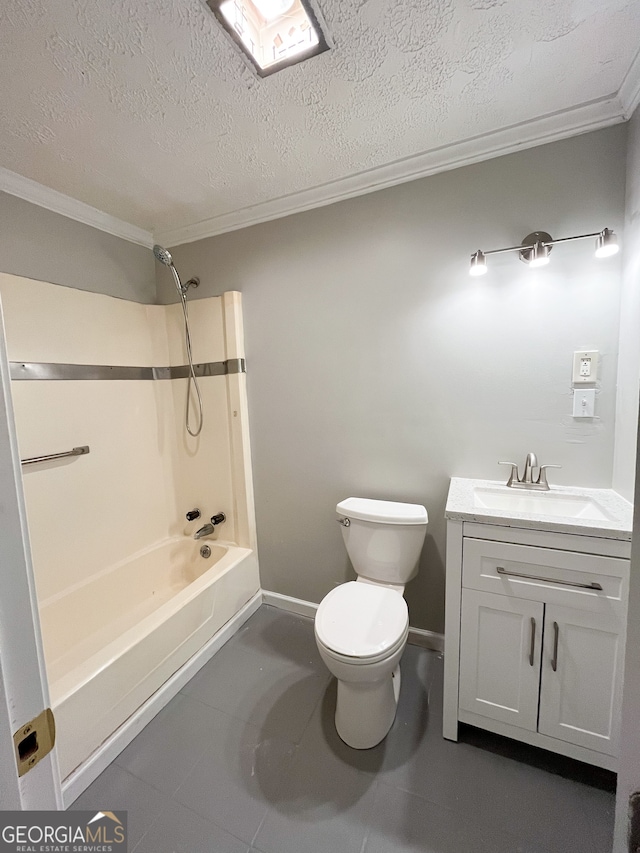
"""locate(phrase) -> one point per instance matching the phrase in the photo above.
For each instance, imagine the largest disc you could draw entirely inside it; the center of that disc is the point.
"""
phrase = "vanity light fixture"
(536, 248)
(272, 34)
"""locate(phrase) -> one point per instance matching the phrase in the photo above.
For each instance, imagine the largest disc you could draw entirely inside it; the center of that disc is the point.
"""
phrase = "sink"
(538, 503)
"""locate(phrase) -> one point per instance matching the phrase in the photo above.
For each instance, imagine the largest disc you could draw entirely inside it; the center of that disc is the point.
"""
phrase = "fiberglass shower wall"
(143, 472)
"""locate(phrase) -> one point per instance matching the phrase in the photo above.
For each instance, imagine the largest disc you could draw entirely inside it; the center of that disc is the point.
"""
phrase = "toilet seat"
(362, 623)
(363, 661)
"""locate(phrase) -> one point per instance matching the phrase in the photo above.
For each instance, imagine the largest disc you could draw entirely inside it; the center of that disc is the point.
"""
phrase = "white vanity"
(536, 604)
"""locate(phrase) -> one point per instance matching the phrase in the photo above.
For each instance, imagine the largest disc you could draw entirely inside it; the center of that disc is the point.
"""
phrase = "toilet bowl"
(361, 627)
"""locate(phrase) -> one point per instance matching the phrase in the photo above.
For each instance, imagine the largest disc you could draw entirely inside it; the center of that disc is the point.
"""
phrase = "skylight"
(272, 33)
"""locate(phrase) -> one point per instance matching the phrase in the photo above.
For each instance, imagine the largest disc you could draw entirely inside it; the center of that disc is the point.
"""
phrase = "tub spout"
(207, 530)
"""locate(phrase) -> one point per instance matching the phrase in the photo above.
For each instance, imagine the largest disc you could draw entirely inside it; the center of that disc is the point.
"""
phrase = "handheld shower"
(164, 256)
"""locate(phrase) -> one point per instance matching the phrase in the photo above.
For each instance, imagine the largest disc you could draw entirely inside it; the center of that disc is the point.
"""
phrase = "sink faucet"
(527, 481)
(208, 529)
(531, 462)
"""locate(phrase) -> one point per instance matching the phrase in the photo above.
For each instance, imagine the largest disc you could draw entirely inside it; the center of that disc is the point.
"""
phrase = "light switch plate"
(585, 367)
(584, 403)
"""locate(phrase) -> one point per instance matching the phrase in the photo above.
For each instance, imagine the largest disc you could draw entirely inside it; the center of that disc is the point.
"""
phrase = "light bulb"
(539, 255)
(606, 244)
(478, 264)
(271, 9)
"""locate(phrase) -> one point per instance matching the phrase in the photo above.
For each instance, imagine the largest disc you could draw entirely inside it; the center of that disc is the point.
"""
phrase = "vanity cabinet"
(535, 633)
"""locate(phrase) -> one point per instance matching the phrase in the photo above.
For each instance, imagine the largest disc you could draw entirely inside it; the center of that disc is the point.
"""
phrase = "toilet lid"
(361, 620)
(385, 512)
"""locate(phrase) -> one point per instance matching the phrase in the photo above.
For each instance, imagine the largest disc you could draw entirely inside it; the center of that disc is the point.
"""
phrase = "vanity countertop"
(606, 514)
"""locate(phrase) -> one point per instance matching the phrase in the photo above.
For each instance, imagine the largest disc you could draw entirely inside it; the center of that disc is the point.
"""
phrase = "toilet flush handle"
(345, 522)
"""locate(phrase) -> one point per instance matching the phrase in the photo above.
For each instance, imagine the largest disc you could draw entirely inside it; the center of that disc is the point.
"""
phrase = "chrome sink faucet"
(530, 463)
(527, 481)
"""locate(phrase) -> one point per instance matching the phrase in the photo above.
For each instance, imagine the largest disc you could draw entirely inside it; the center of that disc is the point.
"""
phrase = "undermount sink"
(538, 503)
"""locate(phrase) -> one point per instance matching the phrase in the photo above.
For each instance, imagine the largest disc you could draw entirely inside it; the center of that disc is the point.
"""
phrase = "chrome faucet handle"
(542, 476)
(513, 477)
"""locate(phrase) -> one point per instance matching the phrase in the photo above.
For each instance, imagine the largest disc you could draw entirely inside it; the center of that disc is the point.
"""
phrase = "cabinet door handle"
(501, 571)
(532, 647)
(556, 634)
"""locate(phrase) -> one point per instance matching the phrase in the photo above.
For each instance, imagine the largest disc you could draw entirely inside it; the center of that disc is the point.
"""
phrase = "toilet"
(361, 627)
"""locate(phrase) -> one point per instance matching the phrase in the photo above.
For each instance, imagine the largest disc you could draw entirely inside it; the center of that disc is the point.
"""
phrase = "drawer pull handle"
(593, 585)
(556, 634)
(533, 641)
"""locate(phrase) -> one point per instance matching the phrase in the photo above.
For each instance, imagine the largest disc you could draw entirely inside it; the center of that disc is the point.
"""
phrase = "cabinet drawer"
(544, 574)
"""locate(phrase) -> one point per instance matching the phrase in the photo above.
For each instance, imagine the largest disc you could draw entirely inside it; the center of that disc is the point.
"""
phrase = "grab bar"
(77, 451)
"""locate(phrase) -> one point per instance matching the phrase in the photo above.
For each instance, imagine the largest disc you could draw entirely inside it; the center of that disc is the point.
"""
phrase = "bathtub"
(113, 640)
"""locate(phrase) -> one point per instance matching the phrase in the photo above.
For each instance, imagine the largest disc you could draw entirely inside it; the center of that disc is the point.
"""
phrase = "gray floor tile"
(165, 751)
(275, 695)
(322, 809)
(240, 776)
(546, 809)
(281, 635)
(601, 821)
(116, 789)
(403, 822)
(248, 755)
(179, 829)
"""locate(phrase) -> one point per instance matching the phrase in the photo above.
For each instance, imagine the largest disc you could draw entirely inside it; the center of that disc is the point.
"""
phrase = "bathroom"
(375, 366)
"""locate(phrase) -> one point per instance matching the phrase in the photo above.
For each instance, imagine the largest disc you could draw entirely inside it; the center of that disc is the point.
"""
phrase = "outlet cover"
(585, 367)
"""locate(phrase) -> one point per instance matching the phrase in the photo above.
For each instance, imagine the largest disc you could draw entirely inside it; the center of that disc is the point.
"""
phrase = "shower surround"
(125, 597)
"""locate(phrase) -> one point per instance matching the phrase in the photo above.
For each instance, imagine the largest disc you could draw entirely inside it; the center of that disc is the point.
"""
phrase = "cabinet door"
(500, 643)
(583, 659)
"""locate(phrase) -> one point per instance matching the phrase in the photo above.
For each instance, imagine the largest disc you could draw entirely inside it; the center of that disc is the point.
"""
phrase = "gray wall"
(377, 367)
(629, 774)
(36, 243)
(629, 361)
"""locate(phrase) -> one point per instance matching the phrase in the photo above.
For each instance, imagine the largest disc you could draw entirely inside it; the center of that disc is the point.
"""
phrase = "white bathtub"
(112, 641)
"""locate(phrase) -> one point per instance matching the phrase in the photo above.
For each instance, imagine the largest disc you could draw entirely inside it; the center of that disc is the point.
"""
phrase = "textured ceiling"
(144, 109)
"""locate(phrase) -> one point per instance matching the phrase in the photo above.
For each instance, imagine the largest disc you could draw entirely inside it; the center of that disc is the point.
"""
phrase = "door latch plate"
(34, 740)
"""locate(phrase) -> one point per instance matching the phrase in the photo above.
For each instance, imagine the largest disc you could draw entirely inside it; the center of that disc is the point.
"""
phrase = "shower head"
(163, 255)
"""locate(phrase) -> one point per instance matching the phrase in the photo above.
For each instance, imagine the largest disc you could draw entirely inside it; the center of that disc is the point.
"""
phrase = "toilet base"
(365, 710)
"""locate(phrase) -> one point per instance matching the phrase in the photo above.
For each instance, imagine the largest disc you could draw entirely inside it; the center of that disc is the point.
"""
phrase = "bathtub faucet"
(208, 529)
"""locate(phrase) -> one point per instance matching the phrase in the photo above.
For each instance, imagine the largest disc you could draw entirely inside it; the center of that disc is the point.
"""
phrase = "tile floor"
(246, 758)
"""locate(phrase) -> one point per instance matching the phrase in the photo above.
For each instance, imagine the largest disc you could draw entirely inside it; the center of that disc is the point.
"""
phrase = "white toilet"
(361, 627)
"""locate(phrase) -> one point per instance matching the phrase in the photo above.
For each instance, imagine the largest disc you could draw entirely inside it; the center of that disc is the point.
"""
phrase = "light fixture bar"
(536, 247)
(524, 246)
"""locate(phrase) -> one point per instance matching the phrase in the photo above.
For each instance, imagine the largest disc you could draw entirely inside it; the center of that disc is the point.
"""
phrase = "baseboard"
(427, 639)
(89, 771)
(417, 636)
(291, 605)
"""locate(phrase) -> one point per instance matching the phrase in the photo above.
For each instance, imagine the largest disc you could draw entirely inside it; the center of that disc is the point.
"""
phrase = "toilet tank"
(384, 539)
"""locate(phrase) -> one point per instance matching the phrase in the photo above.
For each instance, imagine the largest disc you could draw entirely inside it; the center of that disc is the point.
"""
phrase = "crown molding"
(629, 92)
(549, 128)
(586, 117)
(25, 188)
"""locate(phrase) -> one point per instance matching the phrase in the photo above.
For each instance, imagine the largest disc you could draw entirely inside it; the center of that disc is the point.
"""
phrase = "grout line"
(200, 815)
(264, 817)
